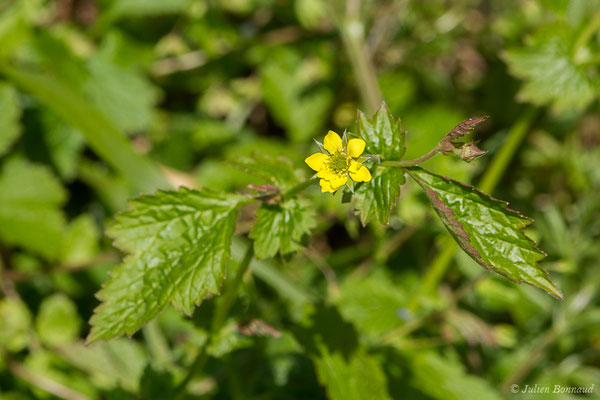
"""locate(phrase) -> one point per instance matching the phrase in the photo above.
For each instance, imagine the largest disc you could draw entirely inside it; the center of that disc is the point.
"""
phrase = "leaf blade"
(180, 243)
(494, 239)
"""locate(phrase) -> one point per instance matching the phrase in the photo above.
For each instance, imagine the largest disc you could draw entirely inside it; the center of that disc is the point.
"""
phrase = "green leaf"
(384, 135)
(99, 131)
(30, 215)
(15, 324)
(550, 72)
(57, 322)
(344, 367)
(445, 379)
(292, 96)
(372, 304)
(180, 243)
(377, 196)
(10, 112)
(278, 171)
(486, 229)
(281, 227)
(80, 243)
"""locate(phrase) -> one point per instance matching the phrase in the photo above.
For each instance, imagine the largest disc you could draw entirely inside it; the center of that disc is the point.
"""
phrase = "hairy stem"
(410, 163)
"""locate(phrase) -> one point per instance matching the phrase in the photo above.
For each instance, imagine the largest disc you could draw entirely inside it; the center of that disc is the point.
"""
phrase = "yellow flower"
(335, 167)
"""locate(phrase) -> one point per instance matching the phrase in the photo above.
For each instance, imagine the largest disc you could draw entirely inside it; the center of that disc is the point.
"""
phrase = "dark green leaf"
(281, 227)
(377, 196)
(383, 134)
(486, 229)
(180, 243)
(30, 215)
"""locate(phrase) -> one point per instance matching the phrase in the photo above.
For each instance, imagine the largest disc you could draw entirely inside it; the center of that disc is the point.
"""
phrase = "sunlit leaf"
(486, 229)
(281, 227)
(378, 196)
(30, 215)
(180, 243)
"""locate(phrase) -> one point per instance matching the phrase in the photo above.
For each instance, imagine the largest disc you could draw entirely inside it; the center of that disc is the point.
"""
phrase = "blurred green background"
(103, 99)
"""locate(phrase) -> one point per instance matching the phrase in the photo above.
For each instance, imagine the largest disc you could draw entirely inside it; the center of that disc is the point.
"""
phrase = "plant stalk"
(219, 317)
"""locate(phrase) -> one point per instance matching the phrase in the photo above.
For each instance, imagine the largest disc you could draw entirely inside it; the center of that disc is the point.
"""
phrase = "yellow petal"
(316, 161)
(361, 175)
(338, 181)
(326, 186)
(332, 142)
(356, 147)
(354, 166)
(326, 174)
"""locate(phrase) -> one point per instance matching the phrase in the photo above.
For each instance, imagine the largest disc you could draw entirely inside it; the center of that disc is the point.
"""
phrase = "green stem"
(488, 183)
(220, 316)
(410, 163)
(298, 188)
(352, 34)
(586, 34)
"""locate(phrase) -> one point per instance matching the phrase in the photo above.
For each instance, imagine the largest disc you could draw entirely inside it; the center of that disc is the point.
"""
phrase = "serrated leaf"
(281, 227)
(180, 243)
(377, 196)
(486, 229)
(550, 73)
(384, 135)
(273, 170)
(10, 112)
(30, 215)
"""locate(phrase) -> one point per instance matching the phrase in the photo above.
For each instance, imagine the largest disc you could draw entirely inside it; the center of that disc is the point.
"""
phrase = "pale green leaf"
(15, 324)
(372, 304)
(550, 74)
(445, 379)
(486, 229)
(30, 215)
(10, 112)
(281, 227)
(378, 196)
(383, 134)
(57, 322)
(80, 243)
(278, 171)
(292, 96)
(180, 243)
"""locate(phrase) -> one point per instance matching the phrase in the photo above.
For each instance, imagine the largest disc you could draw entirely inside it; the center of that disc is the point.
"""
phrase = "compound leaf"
(180, 243)
(486, 229)
(281, 227)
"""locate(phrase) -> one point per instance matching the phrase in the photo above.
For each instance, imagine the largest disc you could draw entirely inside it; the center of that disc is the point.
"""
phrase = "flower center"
(339, 162)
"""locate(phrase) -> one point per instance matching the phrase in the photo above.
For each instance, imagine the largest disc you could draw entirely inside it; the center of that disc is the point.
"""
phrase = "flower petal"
(354, 166)
(338, 181)
(316, 161)
(361, 175)
(326, 174)
(356, 147)
(326, 186)
(332, 142)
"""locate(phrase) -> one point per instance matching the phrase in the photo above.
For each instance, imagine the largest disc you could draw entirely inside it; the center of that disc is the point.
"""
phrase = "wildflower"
(335, 167)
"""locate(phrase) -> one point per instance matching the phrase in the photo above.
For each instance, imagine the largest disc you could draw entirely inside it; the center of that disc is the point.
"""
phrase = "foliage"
(151, 154)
